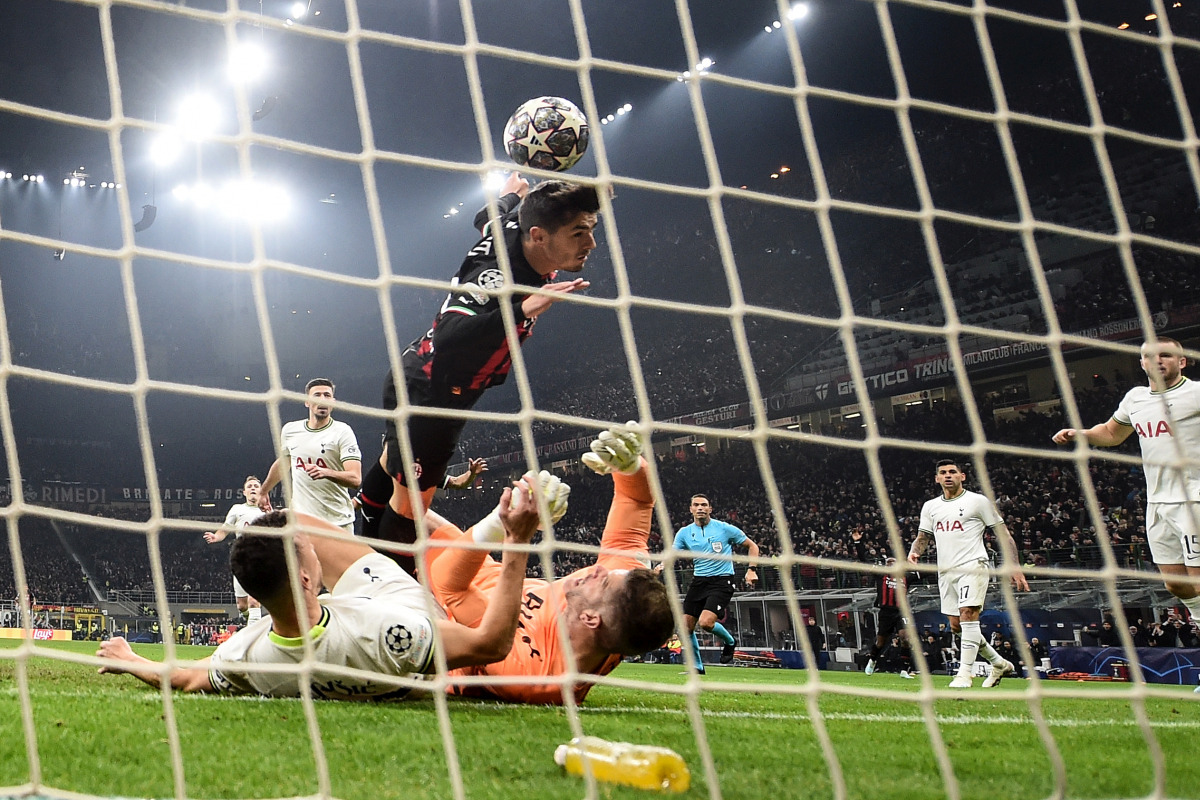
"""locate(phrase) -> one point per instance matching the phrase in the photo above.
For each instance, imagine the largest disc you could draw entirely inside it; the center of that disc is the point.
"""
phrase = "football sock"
(971, 639)
(253, 614)
(721, 633)
(696, 651)
(989, 652)
(401, 530)
(1193, 605)
(374, 495)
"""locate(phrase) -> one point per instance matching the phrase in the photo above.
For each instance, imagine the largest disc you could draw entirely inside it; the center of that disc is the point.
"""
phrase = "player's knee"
(1184, 591)
(955, 626)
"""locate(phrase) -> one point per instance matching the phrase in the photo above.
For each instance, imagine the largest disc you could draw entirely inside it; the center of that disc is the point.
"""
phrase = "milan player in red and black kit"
(888, 589)
(545, 230)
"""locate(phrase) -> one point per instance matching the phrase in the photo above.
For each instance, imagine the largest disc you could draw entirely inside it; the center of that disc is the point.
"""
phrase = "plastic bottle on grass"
(637, 765)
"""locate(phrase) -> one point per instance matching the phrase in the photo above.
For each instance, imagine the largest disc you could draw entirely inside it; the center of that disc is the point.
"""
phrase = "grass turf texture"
(106, 735)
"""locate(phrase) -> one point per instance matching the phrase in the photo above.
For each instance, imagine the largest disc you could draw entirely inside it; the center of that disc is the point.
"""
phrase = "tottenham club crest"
(398, 639)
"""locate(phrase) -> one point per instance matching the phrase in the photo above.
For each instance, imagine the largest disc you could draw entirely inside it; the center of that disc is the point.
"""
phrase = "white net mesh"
(868, 235)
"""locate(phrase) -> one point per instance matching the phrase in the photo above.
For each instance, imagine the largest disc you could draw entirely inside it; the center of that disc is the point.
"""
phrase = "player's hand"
(1065, 436)
(533, 306)
(913, 558)
(616, 449)
(117, 649)
(515, 184)
(553, 490)
(317, 473)
(477, 466)
(519, 511)
(751, 577)
(1019, 582)
(264, 503)
(213, 537)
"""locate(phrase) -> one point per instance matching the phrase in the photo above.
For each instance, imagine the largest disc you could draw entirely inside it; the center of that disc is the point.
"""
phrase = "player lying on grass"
(614, 608)
(373, 626)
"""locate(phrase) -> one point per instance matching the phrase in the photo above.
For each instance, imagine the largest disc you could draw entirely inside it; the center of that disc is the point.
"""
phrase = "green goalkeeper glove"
(616, 449)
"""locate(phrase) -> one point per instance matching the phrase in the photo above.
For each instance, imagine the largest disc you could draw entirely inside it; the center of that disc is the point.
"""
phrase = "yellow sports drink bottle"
(637, 765)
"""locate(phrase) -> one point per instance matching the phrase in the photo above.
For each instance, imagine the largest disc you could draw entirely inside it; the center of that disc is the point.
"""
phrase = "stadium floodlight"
(198, 114)
(247, 62)
(798, 11)
(67, 182)
(24, 177)
(165, 149)
(252, 200)
(494, 181)
(40, 178)
(299, 10)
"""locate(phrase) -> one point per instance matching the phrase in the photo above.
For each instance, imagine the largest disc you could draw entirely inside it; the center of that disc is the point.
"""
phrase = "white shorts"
(238, 591)
(964, 586)
(376, 575)
(1173, 531)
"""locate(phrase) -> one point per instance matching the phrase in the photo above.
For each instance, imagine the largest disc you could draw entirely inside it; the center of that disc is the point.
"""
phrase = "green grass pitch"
(106, 735)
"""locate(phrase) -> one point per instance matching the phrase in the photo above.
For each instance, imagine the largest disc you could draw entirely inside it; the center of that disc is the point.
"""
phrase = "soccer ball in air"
(546, 133)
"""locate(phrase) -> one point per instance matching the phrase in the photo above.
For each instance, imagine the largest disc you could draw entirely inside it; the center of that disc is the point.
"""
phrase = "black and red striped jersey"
(888, 589)
(466, 351)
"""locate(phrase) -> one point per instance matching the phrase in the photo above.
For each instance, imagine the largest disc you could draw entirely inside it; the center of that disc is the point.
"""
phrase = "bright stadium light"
(299, 10)
(67, 182)
(199, 114)
(252, 200)
(247, 62)
(798, 11)
(40, 178)
(166, 148)
(494, 181)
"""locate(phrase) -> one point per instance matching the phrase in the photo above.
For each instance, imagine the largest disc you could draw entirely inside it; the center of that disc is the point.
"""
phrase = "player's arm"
(514, 190)
(350, 476)
(274, 475)
(475, 468)
(919, 546)
(336, 552)
(751, 573)
(1106, 434)
(183, 679)
(493, 639)
(1008, 550)
(212, 537)
(617, 452)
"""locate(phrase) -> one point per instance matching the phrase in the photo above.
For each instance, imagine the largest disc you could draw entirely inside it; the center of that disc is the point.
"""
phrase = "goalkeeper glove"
(554, 491)
(616, 449)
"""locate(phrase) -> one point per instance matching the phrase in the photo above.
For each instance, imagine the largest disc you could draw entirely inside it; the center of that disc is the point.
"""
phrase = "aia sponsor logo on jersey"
(1153, 429)
(954, 525)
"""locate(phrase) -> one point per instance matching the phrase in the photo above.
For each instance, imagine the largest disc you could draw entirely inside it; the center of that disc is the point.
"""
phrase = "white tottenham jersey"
(329, 447)
(1166, 423)
(374, 620)
(242, 515)
(958, 525)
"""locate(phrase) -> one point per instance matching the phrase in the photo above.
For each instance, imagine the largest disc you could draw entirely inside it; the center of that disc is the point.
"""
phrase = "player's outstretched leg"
(694, 643)
(372, 499)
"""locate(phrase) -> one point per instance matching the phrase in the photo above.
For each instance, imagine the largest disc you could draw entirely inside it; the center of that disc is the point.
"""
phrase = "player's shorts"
(434, 439)
(376, 575)
(890, 622)
(1173, 532)
(708, 593)
(238, 591)
(964, 586)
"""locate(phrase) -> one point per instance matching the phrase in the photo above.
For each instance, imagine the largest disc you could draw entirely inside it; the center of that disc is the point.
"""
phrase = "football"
(546, 133)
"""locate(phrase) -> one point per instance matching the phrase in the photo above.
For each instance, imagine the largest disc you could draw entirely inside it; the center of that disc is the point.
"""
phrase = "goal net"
(838, 242)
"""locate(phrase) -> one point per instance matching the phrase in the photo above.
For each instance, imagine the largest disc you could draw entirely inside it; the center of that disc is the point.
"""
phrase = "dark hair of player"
(703, 497)
(308, 387)
(946, 462)
(641, 612)
(258, 562)
(552, 204)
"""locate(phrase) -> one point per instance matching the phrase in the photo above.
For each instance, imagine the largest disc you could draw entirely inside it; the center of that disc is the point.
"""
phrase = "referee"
(888, 589)
(711, 589)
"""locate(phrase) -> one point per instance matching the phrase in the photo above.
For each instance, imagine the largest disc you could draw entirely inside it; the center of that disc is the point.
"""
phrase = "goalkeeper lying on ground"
(614, 608)
(373, 626)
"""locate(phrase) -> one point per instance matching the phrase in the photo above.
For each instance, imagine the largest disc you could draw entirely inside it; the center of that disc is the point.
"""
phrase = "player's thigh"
(1173, 533)
(964, 586)
(720, 592)
(693, 601)
(890, 621)
(434, 441)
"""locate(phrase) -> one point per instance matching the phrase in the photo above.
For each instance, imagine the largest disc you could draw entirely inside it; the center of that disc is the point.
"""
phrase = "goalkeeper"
(614, 608)
(374, 622)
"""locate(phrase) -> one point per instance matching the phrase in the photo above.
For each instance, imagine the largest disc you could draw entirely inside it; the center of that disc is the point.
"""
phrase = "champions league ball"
(546, 133)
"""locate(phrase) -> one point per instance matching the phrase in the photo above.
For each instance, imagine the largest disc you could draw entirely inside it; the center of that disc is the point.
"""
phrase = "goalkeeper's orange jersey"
(537, 648)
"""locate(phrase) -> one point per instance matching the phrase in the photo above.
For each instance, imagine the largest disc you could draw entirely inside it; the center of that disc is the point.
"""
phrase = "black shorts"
(708, 593)
(434, 439)
(890, 622)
